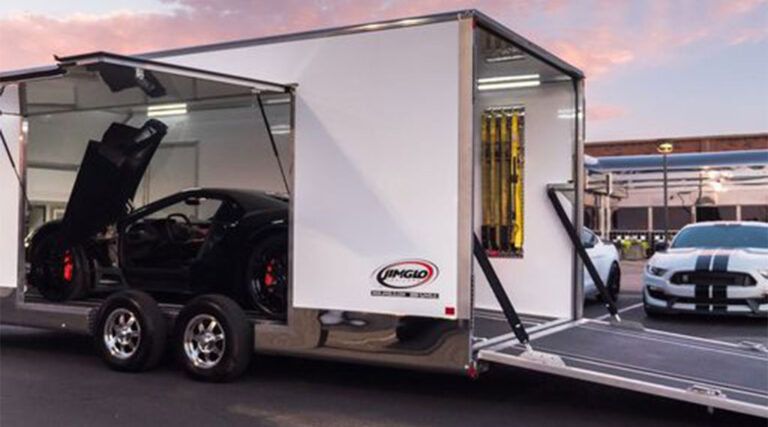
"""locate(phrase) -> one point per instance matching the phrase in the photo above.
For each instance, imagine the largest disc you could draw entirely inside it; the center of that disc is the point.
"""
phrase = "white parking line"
(627, 308)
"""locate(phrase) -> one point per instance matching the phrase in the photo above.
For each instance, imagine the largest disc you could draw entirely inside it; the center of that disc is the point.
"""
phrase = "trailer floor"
(54, 379)
(491, 324)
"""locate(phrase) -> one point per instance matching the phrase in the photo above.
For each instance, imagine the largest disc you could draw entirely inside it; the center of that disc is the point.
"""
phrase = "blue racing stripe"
(702, 262)
(720, 263)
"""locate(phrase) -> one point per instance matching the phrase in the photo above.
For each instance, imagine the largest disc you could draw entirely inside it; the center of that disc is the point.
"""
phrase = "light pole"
(665, 148)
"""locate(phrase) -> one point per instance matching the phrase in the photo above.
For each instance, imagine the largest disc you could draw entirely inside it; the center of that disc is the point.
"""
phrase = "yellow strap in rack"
(494, 179)
(517, 174)
(485, 166)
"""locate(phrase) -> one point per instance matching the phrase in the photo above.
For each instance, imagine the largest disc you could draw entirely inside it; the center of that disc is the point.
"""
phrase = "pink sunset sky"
(655, 68)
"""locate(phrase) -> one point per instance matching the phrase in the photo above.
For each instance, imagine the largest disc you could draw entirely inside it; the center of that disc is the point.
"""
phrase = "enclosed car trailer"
(434, 168)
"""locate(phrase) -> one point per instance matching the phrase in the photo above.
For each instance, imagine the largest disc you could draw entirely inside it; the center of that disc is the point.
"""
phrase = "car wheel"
(614, 282)
(266, 277)
(649, 310)
(214, 339)
(60, 274)
(130, 332)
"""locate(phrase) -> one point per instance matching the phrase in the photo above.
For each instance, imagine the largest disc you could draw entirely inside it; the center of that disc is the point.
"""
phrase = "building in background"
(710, 178)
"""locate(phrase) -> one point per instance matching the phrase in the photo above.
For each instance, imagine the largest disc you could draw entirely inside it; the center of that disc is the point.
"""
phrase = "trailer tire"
(213, 339)
(131, 332)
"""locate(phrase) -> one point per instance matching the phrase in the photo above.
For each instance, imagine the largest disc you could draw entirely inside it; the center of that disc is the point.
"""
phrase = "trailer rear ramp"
(711, 373)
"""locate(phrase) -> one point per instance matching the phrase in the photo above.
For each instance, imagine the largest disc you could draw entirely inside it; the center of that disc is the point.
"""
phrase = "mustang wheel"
(266, 278)
(130, 334)
(60, 274)
(651, 311)
(214, 339)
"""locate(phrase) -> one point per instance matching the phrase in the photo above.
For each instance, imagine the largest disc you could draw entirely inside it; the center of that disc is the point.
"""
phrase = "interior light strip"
(508, 78)
(166, 110)
(508, 85)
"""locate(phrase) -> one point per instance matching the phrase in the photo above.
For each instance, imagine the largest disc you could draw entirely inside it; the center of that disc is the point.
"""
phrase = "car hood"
(722, 259)
(108, 178)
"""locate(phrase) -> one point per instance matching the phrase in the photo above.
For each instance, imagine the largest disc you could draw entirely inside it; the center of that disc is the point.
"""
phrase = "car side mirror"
(660, 246)
(192, 201)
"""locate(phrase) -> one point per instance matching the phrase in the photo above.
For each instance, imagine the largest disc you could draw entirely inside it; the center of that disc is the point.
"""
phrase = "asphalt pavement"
(55, 379)
(729, 329)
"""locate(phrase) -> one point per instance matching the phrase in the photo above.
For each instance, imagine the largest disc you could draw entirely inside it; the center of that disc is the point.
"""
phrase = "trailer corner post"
(579, 179)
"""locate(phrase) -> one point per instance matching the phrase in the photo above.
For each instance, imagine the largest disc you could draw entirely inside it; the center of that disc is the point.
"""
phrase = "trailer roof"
(482, 20)
(136, 61)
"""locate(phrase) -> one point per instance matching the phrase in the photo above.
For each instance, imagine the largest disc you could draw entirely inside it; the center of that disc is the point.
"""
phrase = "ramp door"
(712, 373)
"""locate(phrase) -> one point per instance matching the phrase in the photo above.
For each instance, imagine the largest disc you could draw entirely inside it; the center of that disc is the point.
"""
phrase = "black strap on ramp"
(501, 295)
(576, 240)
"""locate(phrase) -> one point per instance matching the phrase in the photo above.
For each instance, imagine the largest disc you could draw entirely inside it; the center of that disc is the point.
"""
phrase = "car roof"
(726, 224)
(249, 199)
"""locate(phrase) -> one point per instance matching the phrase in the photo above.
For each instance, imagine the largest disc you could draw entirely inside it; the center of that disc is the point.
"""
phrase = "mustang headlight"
(655, 271)
(763, 272)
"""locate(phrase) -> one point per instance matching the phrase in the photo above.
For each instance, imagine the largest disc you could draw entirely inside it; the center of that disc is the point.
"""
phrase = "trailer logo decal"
(406, 274)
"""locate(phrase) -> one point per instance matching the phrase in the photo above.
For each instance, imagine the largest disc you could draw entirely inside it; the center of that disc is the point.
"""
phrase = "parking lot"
(45, 373)
(730, 329)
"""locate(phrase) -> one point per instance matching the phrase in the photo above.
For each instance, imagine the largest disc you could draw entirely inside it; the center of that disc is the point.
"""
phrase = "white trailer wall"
(539, 282)
(376, 160)
(9, 189)
(539, 279)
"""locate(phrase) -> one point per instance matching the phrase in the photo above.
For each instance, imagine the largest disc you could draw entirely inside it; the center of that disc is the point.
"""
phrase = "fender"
(260, 224)
(267, 229)
(33, 239)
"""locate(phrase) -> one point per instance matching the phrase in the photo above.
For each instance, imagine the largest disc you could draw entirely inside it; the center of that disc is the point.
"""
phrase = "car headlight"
(763, 272)
(655, 271)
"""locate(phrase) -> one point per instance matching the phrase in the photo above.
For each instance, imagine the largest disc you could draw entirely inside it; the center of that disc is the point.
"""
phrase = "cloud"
(36, 36)
(596, 52)
(599, 36)
(749, 35)
(737, 7)
(605, 112)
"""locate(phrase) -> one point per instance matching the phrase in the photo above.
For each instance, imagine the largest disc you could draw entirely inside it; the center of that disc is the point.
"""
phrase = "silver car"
(605, 257)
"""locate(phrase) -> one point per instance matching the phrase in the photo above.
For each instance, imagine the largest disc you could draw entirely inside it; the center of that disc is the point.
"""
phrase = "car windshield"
(723, 236)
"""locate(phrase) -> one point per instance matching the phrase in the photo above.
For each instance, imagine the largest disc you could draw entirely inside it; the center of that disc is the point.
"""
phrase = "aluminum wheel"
(122, 333)
(204, 341)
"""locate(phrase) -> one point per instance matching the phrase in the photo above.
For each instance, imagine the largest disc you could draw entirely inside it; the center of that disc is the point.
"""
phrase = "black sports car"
(228, 241)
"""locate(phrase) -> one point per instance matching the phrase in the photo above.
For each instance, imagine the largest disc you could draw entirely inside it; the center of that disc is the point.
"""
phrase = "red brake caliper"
(269, 279)
(68, 266)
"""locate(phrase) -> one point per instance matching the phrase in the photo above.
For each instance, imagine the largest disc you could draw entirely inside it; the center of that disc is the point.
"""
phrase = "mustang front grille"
(716, 278)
